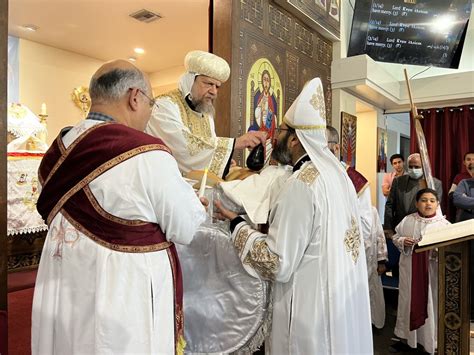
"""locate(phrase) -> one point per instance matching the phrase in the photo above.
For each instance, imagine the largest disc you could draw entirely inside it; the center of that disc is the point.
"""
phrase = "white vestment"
(375, 251)
(414, 226)
(93, 300)
(315, 255)
(190, 135)
(256, 193)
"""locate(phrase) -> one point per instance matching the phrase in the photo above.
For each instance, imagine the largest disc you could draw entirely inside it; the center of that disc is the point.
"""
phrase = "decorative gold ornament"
(82, 99)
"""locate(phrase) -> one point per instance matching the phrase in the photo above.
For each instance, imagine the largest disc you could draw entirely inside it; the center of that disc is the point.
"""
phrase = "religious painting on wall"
(348, 138)
(382, 143)
(264, 98)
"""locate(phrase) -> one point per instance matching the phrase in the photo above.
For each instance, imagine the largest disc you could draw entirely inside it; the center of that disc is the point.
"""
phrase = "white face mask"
(415, 173)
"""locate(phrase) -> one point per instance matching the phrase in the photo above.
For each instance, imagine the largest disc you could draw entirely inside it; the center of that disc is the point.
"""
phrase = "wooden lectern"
(452, 242)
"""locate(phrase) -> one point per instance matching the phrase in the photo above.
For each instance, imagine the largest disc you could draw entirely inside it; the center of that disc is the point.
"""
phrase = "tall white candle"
(43, 109)
(203, 184)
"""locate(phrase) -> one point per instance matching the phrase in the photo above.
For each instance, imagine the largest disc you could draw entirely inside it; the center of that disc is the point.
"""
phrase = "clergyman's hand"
(381, 268)
(222, 213)
(251, 139)
(204, 202)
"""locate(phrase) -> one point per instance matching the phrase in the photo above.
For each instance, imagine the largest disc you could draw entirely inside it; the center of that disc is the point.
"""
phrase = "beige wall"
(366, 160)
(49, 75)
(166, 80)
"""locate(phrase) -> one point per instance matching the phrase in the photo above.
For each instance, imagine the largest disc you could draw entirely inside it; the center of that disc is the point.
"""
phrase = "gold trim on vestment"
(195, 144)
(263, 260)
(309, 174)
(317, 101)
(241, 239)
(180, 343)
(116, 247)
(352, 240)
(304, 127)
(220, 155)
(100, 170)
(366, 185)
(98, 208)
(65, 151)
(199, 136)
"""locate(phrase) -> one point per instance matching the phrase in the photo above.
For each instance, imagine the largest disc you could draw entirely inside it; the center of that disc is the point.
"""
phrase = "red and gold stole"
(65, 174)
(358, 180)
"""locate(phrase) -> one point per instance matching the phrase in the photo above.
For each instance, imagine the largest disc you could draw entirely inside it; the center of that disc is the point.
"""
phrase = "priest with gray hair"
(109, 280)
(184, 118)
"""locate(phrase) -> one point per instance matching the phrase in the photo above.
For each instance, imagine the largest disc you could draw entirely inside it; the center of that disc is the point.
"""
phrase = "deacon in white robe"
(408, 233)
(93, 297)
(314, 250)
(376, 254)
(184, 118)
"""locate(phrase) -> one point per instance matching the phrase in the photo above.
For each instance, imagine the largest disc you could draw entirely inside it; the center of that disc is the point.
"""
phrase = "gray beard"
(202, 107)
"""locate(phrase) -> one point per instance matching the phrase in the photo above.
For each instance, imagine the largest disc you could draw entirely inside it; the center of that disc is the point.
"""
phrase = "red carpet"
(19, 322)
(20, 298)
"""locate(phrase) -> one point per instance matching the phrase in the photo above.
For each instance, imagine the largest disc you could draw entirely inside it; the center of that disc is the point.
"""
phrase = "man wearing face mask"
(401, 200)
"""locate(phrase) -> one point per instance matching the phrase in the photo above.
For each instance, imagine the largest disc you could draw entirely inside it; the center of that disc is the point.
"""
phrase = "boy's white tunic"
(92, 300)
(314, 249)
(414, 226)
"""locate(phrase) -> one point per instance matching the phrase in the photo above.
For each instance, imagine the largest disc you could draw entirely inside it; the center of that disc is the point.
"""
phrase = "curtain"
(449, 134)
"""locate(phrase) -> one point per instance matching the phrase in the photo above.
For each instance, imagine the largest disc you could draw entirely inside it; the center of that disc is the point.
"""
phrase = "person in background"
(417, 317)
(184, 118)
(401, 200)
(109, 279)
(398, 164)
(468, 162)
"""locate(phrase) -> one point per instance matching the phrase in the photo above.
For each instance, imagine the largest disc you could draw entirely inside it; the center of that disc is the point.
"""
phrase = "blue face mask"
(415, 173)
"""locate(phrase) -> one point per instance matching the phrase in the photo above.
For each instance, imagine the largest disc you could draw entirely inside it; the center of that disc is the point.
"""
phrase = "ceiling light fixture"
(32, 28)
(132, 59)
(139, 50)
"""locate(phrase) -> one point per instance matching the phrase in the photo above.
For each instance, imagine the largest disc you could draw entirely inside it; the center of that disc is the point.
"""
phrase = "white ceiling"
(103, 30)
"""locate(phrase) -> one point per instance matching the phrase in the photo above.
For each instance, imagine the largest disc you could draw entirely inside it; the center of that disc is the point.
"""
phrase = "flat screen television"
(419, 32)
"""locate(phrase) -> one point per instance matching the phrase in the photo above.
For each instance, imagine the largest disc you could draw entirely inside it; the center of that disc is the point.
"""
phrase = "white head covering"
(202, 63)
(186, 82)
(205, 63)
(307, 115)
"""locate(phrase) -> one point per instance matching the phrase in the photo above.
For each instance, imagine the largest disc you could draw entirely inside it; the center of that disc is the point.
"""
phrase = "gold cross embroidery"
(352, 240)
(317, 101)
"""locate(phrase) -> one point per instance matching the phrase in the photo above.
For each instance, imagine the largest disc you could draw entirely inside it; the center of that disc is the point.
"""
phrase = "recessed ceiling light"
(32, 28)
(132, 59)
(139, 50)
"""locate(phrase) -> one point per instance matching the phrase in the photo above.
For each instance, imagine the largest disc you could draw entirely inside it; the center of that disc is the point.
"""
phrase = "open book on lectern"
(447, 235)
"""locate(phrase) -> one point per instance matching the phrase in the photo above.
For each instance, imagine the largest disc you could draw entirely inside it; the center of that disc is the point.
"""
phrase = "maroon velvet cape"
(65, 174)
